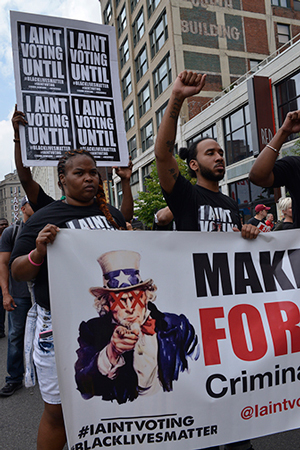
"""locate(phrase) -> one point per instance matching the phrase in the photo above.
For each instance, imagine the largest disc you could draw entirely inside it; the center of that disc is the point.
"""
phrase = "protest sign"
(67, 85)
(239, 298)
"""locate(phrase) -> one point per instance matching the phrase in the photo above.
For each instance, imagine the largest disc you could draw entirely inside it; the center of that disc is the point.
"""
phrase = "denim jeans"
(15, 348)
(2, 314)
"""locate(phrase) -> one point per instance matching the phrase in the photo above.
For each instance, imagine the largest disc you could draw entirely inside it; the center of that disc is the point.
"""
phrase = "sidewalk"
(20, 413)
(20, 417)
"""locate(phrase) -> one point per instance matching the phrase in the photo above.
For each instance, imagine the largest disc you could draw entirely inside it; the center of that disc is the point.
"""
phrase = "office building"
(157, 39)
(244, 120)
(11, 193)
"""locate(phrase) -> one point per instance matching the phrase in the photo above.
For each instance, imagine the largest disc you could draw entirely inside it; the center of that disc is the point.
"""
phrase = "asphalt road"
(20, 415)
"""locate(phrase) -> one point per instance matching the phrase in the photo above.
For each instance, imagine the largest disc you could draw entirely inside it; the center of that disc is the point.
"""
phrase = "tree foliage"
(294, 151)
(152, 200)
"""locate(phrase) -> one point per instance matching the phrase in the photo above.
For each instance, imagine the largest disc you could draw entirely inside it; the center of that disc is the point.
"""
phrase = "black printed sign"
(89, 67)
(67, 85)
(48, 134)
(95, 127)
(42, 58)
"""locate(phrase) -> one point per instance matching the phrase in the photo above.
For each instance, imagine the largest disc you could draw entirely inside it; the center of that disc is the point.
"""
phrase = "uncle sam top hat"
(120, 273)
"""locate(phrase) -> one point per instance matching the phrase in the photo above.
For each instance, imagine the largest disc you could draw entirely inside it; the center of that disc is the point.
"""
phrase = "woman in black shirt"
(85, 198)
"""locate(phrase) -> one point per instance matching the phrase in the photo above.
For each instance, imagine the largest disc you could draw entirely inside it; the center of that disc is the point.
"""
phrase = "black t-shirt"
(16, 289)
(64, 216)
(287, 225)
(284, 226)
(42, 200)
(196, 208)
(254, 221)
(287, 173)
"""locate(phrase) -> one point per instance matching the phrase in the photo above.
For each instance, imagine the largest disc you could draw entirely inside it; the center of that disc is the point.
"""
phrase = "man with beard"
(200, 207)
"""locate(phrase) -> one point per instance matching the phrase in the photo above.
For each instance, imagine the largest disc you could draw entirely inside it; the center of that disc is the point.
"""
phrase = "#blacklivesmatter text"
(142, 431)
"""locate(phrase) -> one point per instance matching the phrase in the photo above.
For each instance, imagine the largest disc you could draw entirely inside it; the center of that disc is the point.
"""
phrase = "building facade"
(47, 178)
(11, 193)
(157, 39)
(233, 119)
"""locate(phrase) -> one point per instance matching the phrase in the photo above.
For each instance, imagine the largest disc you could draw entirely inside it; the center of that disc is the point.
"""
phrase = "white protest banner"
(240, 298)
(67, 84)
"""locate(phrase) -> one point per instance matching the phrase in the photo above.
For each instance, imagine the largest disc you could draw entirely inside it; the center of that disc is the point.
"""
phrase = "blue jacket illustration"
(176, 339)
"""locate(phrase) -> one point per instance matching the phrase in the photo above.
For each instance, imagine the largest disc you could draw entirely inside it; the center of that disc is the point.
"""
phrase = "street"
(21, 413)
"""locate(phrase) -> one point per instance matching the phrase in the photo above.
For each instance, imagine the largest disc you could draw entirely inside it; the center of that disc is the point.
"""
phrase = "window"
(253, 64)
(247, 195)
(162, 76)
(159, 114)
(237, 131)
(132, 149)
(133, 4)
(297, 5)
(146, 174)
(117, 3)
(121, 21)
(141, 63)
(124, 52)
(147, 135)
(119, 193)
(138, 28)
(134, 184)
(107, 15)
(283, 33)
(126, 85)
(158, 34)
(283, 3)
(151, 5)
(288, 98)
(129, 117)
(210, 132)
(144, 100)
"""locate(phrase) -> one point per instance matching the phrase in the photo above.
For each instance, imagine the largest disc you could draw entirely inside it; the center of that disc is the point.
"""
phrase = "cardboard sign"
(67, 85)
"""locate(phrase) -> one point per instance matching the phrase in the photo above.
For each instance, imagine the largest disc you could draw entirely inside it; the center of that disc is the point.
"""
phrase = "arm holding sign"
(30, 186)
(26, 267)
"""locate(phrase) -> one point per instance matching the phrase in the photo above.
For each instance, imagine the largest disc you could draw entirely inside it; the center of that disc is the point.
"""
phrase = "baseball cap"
(24, 201)
(260, 207)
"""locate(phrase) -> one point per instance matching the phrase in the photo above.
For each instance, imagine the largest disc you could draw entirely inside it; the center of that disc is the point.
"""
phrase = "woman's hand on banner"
(46, 236)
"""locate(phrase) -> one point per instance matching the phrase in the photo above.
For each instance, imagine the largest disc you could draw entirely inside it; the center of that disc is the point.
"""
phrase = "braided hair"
(100, 196)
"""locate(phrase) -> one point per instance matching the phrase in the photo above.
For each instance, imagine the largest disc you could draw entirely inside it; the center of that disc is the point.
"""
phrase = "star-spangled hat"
(120, 272)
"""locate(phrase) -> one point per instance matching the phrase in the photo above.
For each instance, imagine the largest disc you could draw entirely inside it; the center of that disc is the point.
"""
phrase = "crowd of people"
(200, 207)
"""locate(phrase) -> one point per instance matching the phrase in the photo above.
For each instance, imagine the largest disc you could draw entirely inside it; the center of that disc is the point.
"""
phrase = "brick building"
(157, 39)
